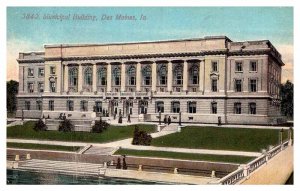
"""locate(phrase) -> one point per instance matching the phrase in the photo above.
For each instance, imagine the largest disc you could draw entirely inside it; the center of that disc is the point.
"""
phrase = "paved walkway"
(126, 143)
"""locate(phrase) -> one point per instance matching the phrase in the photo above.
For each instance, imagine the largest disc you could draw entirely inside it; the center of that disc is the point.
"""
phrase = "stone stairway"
(63, 167)
(94, 150)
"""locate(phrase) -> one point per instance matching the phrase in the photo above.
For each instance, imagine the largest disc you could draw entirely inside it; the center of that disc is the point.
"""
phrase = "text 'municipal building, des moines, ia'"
(203, 78)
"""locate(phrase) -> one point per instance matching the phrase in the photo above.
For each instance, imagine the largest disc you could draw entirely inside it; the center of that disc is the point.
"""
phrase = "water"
(27, 177)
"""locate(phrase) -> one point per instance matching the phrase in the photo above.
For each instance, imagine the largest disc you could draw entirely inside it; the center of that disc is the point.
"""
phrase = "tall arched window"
(162, 77)
(194, 74)
(117, 76)
(88, 76)
(131, 72)
(146, 75)
(73, 77)
(178, 75)
(102, 75)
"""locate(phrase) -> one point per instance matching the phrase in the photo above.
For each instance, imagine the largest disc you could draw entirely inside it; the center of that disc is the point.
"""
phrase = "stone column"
(108, 83)
(201, 76)
(138, 77)
(80, 77)
(66, 78)
(185, 76)
(94, 77)
(154, 77)
(123, 77)
(170, 76)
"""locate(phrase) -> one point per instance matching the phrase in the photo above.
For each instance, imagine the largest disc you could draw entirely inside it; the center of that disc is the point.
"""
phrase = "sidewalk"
(126, 144)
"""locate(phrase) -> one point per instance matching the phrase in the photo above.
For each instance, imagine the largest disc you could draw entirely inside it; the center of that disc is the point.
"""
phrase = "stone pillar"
(138, 77)
(185, 76)
(108, 83)
(123, 77)
(80, 78)
(213, 174)
(17, 158)
(170, 77)
(28, 157)
(66, 78)
(154, 77)
(140, 168)
(94, 77)
(201, 76)
(175, 170)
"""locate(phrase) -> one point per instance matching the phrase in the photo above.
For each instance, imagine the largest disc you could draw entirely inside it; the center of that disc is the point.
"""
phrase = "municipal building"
(198, 80)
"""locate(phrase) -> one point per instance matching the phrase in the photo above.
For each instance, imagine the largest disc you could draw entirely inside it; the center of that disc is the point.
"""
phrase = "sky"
(238, 23)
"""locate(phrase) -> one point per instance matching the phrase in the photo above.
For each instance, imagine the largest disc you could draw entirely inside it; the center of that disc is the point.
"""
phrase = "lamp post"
(159, 117)
(179, 118)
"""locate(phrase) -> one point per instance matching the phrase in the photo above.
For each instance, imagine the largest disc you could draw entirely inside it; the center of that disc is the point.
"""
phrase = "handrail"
(245, 171)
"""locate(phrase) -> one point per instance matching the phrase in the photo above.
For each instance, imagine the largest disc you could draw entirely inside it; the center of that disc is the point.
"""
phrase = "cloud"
(287, 52)
(13, 48)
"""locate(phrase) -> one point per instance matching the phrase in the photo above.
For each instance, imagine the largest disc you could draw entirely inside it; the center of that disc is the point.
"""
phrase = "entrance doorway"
(143, 106)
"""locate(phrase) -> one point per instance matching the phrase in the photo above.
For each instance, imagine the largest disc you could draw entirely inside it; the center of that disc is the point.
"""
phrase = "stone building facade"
(203, 79)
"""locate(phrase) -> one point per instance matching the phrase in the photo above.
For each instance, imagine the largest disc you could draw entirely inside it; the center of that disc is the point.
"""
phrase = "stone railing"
(244, 171)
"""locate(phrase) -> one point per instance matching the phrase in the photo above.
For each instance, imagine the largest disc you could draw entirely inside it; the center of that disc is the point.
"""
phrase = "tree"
(11, 92)
(287, 99)
(66, 126)
(99, 126)
(40, 126)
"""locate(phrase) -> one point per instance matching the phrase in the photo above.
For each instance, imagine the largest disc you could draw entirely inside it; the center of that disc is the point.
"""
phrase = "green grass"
(185, 156)
(221, 138)
(113, 133)
(42, 147)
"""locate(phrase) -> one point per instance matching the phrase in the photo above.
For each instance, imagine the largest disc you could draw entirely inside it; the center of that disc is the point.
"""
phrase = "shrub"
(99, 126)
(40, 126)
(141, 137)
(66, 126)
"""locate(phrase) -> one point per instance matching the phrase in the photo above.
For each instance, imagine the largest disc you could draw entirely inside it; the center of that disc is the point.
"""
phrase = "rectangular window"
(214, 66)
(41, 87)
(253, 85)
(160, 106)
(98, 106)
(237, 108)
(252, 108)
(41, 72)
(147, 81)
(70, 105)
(30, 72)
(178, 80)
(52, 70)
(194, 89)
(192, 107)
(238, 85)
(214, 85)
(83, 105)
(30, 87)
(27, 105)
(39, 105)
(177, 89)
(51, 105)
(117, 80)
(52, 87)
(163, 80)
(253, 66)
(175, 107)
(103, 81)
(238, 66)
(131, 80)
(214, 109)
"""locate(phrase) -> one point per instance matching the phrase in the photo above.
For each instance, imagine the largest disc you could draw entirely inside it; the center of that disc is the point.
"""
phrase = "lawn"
(42, 147)
(221, 138)
(185, 156)
(113, 133)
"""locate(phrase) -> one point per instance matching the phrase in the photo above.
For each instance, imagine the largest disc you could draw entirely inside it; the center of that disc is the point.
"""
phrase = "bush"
(141, 137)
(40, 126)
(66, 126)
(99, 126)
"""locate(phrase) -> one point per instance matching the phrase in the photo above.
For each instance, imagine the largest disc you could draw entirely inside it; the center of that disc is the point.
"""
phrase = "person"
(128, 120)
(118, 166)
(219, 121)
(64, 117)
(169, 120)
(165, 120)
